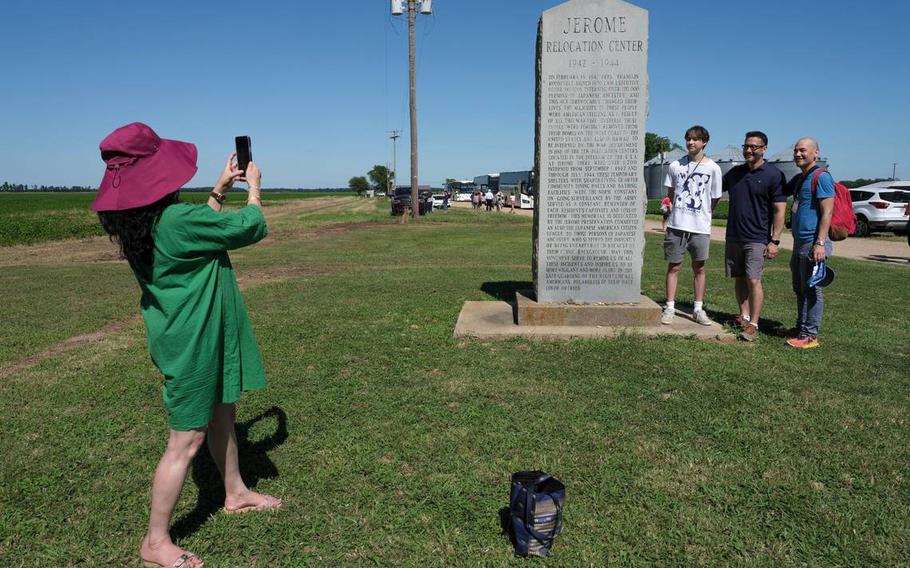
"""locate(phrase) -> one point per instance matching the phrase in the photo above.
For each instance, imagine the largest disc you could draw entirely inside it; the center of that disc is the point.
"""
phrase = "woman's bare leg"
(170, 475)
(222, 441)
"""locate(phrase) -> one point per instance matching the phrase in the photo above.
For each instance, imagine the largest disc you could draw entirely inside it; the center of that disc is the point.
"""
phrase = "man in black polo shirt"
(756, 195)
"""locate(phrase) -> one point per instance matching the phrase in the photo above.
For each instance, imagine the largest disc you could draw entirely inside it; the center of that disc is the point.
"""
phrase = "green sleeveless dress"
(199, 335)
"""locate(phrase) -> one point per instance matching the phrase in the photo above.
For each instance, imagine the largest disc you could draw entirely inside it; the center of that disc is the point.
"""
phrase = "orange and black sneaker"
(803, 342)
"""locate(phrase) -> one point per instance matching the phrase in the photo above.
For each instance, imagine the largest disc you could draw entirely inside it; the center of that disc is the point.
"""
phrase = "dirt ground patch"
(112, 328)
(247, 279)
(288, 233)
(73, 251)
(101, 249)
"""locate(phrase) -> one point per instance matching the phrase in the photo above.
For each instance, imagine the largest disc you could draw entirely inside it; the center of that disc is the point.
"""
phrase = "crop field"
(391, 442)
(34, 217)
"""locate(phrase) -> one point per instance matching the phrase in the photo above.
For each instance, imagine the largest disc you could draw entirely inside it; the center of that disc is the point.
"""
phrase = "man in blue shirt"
(810, 221)
(756, 193)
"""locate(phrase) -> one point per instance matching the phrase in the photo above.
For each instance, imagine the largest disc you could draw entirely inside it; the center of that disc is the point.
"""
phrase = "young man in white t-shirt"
(694, 186)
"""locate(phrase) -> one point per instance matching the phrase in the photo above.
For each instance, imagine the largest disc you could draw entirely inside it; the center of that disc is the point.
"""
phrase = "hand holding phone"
(244, 151)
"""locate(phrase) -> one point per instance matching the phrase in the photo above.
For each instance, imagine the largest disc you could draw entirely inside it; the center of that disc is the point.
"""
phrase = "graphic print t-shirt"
(694, 186)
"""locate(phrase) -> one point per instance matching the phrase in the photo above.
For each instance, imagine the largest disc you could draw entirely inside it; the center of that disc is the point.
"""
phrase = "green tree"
(381, 177)
(655, 144)
(359, 184)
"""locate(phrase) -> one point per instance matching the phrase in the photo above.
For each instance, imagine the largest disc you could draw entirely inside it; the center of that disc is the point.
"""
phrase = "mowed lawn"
(392, 443)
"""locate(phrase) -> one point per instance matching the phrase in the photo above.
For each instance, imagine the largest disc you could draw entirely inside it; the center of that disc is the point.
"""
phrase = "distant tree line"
(23, 187)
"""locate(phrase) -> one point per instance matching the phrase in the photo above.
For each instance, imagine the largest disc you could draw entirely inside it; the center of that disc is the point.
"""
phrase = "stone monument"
(592, 103)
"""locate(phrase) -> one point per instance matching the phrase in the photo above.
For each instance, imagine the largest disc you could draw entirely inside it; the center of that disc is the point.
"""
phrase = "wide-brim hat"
(142, 167)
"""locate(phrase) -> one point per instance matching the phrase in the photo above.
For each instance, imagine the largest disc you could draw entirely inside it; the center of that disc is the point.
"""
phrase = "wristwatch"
(775, 242)
(819, 243)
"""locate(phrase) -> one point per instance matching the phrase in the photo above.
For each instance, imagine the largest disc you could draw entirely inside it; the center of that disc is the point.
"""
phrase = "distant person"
(199, 335)
(488, 198)
(665, 205)
(475, 200)
(810, 222)
(499, 200)
(512, 203)
(694, 186)
(756, 193)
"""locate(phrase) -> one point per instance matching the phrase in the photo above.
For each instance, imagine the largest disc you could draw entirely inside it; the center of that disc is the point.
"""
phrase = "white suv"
(880, 207)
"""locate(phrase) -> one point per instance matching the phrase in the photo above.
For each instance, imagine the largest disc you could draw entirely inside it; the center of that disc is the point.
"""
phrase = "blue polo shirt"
(752, 195)
(805, 220)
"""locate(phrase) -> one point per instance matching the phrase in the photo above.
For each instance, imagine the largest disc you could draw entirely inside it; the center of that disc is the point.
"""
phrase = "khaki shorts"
(744, 259)
(677, 242)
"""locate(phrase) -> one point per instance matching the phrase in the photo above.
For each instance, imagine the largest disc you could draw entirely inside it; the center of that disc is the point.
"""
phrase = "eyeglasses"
(753, 147)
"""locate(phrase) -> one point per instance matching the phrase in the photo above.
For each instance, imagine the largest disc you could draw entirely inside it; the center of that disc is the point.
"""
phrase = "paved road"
(871, 249)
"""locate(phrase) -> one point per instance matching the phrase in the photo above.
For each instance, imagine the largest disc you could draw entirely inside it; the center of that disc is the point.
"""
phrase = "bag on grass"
(535, 512)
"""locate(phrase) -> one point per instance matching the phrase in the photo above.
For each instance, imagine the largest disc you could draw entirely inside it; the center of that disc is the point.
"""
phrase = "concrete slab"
(495, 320)
(530, 312)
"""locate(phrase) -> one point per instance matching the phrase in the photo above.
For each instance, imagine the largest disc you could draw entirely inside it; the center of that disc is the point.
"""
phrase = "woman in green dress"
(199, 335)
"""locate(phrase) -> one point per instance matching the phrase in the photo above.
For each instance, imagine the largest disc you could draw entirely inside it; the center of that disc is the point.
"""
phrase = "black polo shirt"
(752, 195)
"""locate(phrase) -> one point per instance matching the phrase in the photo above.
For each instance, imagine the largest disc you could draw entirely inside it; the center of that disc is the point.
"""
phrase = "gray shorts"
(677, 242)
(744, 259)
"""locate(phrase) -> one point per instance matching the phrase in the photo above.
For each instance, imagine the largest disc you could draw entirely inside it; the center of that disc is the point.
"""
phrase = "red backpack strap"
(815, 176)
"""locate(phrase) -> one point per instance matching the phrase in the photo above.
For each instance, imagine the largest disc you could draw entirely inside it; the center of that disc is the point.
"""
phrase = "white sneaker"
(702, 318)
(666, 317)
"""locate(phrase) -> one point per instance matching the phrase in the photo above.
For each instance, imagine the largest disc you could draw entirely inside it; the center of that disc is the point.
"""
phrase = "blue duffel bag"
(535, 512)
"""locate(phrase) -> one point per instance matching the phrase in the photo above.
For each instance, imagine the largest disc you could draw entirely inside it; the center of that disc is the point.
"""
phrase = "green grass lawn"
(392, 443)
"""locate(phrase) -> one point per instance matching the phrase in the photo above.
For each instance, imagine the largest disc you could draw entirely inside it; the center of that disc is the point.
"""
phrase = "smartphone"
(244, 151)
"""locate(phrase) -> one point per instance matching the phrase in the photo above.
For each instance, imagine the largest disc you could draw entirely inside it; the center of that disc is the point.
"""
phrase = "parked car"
(439, 201)
(880, 207)
(462, 197)
(401, 201)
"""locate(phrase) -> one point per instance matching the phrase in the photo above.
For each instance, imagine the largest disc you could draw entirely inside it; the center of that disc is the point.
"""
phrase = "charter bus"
(521, 185)
(483, 183)
(461, 190)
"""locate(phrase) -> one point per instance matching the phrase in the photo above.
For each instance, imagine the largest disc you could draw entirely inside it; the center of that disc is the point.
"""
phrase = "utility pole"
(394, 135)
(415, 205)
(425, 8)
(893, 170)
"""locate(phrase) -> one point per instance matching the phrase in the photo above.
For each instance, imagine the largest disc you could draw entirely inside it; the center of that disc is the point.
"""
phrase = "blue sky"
(318, 84)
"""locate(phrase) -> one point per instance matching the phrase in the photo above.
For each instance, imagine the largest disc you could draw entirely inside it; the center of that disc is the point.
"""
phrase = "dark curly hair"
(132, 230)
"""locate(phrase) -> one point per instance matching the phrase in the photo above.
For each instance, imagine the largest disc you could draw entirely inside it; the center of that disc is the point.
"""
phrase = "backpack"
(535, 512)
(843, 221)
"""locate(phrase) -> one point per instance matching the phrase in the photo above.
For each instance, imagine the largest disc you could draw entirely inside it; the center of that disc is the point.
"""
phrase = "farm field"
(33, 217)
(392, 443)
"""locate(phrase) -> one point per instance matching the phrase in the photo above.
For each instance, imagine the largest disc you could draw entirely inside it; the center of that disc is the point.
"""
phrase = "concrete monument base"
(492, 320)
(531, 312)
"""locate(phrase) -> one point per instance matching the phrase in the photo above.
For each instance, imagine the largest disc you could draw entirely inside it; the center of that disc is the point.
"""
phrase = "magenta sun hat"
(142, 168)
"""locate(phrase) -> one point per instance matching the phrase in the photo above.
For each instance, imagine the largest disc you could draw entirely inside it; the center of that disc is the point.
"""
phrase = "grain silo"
(783, 160)
(728, 158)
(656, 171)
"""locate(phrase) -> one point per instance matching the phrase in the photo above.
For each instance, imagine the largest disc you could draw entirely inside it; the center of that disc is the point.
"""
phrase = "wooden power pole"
(412, 12)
